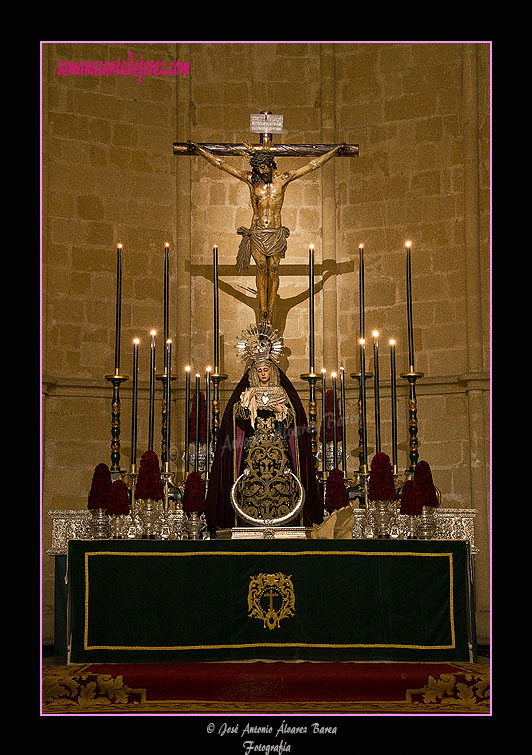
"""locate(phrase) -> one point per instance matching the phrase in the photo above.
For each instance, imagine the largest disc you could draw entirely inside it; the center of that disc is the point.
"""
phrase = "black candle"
(197, 428)
(207, 423)
(394, 406)
(118, 306)
(168, 387)
(216, 313)
(134, 402)
(166, 333)
(187, 418)
(342, 409)
(363, 403)
(361, 289)
(408, 246)
(311, 307)
(323, 422)
(377, 392)
(335, 420)
(153, 333)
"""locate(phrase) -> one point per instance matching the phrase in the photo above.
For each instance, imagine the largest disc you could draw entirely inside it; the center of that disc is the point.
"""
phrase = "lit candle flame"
(361, 246)
(136, 341)
(392, 341)
(375, 334)
(187, 368)
(311, 246)
(198, 375)
(153, 332)
(323, 370)
(169, 341)
(209, 369)
(119, 246)
(166, 244)
(408, 244)
(362, 341)
(333, 374)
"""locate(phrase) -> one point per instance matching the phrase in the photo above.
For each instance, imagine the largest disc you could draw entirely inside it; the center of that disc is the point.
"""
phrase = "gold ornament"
(266, 591)
(259, 343)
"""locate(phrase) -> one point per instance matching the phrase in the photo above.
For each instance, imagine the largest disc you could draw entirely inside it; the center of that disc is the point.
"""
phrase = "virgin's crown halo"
(259, 342)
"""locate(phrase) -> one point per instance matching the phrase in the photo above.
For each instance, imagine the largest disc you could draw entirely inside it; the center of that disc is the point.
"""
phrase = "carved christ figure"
(265, 240)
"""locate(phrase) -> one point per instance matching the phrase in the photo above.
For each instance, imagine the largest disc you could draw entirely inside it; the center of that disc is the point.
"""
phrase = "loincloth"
(268, 241)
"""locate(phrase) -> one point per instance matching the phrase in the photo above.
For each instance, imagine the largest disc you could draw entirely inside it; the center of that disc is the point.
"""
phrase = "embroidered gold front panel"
(267, 491)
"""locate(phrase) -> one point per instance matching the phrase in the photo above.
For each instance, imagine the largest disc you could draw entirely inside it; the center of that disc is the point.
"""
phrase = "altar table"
(222, 600)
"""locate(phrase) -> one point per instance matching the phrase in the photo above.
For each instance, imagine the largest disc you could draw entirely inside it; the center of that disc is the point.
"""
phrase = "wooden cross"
(265, 126)
(279, 150)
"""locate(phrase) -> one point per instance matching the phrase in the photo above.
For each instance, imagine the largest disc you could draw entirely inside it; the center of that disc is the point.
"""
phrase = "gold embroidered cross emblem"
(271, 598)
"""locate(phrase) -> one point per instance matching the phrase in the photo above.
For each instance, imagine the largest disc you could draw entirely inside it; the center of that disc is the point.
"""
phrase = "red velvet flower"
(117, 502)
(203, 420)
(423, 477)
(100, 487)
(381, 482)
(194, 497)
(411, 499)
(336, 496)
(149, 483)
(329, 419)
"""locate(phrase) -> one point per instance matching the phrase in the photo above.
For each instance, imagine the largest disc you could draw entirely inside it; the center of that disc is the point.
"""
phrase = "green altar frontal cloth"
(215, 600)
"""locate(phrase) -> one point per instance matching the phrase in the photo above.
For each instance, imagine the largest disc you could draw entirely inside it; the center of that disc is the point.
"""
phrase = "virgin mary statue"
(263, 468)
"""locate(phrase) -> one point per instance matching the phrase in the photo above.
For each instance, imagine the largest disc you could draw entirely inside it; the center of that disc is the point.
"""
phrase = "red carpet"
(261, 687)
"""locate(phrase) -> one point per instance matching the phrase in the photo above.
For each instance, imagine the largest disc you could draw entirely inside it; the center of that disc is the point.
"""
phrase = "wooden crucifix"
(265, 239)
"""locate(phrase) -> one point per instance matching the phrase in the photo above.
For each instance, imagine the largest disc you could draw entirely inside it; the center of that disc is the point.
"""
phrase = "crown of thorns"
(259, 158)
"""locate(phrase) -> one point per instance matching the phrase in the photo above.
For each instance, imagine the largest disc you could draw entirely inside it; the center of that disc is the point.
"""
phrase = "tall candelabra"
(411, 375)
(312, 378)
(413, 444)
(362, 438)
(361, 476)
(165, 453)
(216, 376)
(116, 381)
(216, 379)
